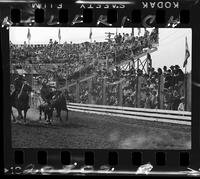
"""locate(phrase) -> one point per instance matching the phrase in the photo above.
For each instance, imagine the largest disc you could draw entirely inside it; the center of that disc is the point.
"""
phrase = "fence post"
(77, 91)
(189, 93)
(120, 94)
(104, 91)
(160, 92)
(66, 85)
(90, 91)
(138, 91)
(138, 63)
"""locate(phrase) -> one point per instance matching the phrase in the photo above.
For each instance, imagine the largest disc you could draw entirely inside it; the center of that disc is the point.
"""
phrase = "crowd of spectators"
(77, 61)
(83, 58)
(173, 89)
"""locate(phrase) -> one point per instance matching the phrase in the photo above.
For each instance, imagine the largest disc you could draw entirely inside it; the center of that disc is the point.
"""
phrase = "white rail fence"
(154, 115)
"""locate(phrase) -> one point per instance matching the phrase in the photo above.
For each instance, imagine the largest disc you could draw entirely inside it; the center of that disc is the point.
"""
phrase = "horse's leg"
(66, 114)
(50, 116)
(59, 114)
(14, 120)
(20, 116)
(25, 112)
(40, 109)
(45, 115)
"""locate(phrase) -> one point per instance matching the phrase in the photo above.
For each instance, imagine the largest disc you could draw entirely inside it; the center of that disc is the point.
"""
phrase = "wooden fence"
(105, 86)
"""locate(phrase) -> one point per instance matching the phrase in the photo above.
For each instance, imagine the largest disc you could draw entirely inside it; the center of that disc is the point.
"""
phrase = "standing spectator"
(120, 38)
(159, 71)
(181, 106)
(164, 70)
(154, 100)
(168, 79)
(147, 103)
(175, 100)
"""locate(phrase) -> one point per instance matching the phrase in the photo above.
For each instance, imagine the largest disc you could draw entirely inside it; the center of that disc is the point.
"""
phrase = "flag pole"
(185, 78)
(185, 82)
(90, 36)
(132, 32)
(187, 55)
(29, 36)
(59, 36)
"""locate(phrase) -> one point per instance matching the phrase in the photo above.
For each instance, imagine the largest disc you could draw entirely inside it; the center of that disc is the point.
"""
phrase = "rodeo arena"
(99, 95)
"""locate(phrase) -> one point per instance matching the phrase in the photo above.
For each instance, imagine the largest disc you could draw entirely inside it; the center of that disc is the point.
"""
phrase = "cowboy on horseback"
(18, 82)
(46, 92)
(20, 96)
(53, 99)
(46, 95)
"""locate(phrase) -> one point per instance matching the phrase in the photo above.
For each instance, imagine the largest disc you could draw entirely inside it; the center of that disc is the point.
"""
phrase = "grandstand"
(107, 73)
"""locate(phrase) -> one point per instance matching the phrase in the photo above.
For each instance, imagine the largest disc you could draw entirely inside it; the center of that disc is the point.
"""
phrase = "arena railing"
(141, 114)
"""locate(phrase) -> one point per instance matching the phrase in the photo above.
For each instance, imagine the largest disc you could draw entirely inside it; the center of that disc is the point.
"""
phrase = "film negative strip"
(101, 87)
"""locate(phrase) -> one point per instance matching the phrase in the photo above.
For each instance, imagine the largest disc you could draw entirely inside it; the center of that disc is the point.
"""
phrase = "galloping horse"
(20, 100)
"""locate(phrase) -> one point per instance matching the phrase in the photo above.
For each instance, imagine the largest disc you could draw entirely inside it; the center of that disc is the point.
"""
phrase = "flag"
(90, 36)
(59, 35)
(29, 35)
(187, 52)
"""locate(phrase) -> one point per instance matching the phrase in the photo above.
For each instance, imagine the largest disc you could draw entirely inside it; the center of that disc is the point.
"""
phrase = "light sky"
(171, 49)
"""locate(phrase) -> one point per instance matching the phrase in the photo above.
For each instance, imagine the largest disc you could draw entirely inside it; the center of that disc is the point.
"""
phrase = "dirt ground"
(90, 131)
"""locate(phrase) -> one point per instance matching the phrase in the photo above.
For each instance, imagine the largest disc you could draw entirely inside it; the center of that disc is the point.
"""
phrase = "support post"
(133, 63)
(120, 94)
(185, 90)
(67, 87)
(138, 91)
(77, 91)
(90, 91)
(189, 92)
(107, 62)
(160, 92)
(104, 91)
(138, 63)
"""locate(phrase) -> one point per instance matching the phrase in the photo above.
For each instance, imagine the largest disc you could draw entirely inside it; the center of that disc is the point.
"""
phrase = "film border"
(77, 156)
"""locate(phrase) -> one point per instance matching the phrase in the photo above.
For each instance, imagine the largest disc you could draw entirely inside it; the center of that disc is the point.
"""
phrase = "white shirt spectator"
(181, 107)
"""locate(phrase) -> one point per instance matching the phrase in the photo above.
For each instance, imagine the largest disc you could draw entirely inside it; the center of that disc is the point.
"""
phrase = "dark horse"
(53, 100)
(47, 110)
(20, 100)
(59, 102)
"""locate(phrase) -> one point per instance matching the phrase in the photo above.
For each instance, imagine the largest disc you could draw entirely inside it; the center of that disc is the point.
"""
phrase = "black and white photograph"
(100, 88)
